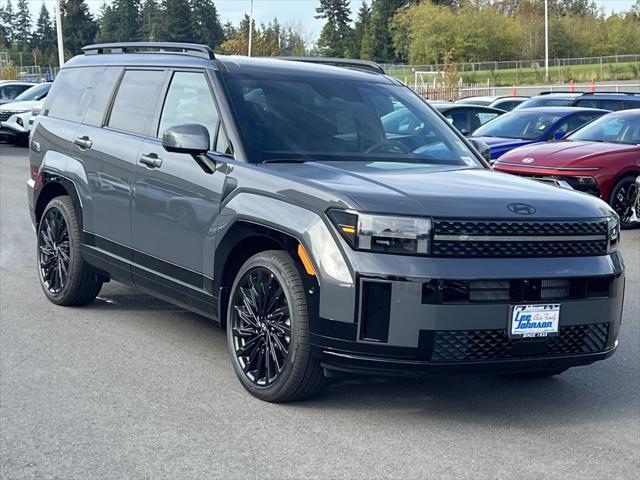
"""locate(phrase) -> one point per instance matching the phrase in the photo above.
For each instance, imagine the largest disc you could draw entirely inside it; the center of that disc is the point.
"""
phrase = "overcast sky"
(287, 10)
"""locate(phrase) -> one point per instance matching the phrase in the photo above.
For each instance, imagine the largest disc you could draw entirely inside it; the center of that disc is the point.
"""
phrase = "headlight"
(614, 232)
(383, 233)
(35, 111)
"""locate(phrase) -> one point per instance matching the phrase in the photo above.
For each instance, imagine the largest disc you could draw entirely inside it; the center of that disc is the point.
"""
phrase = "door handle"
(151, 160)
(83, 142)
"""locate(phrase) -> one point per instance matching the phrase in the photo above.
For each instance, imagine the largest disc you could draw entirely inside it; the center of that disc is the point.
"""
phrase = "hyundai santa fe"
(267, 195)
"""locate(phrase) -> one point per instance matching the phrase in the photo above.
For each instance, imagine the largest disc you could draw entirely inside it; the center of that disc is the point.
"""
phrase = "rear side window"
(100, 95)
(69, 95)
(189, 100)
(136, 101)
(598, 103)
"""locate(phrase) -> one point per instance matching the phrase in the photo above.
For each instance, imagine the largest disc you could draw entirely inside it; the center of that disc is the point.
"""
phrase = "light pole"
(59, 33)
(250, 27)
(546, 40)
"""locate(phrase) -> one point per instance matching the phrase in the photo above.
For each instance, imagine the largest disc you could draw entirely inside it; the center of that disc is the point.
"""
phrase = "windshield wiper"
(285, 160)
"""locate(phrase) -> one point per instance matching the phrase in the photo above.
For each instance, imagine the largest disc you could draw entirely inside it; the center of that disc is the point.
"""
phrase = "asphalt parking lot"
(132, 387)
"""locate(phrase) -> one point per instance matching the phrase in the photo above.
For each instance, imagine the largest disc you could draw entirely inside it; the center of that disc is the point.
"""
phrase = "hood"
(565, 154)
(499, 146)
(405, 189)
(19, 106)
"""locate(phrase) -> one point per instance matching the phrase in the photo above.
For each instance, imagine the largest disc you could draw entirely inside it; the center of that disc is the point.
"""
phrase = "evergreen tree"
(127, 13)
(364, 16)
(7, 20)
(230, 30)
(377, 43)
(22, 25)
(335, 35)
(150, 21)
(205, 23)
(78, 25)
(176, 21)
(44, 36)
(107, 23)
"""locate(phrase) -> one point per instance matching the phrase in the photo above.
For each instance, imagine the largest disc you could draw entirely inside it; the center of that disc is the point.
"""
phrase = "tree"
(79, 28)
(364, 17)
(7, 21)
(205, 23)
(127, 13)
(150, 21)
(107, 24)
(377, 43)
(44, 36)
(22, 25)
(176, 21)
(333, 41)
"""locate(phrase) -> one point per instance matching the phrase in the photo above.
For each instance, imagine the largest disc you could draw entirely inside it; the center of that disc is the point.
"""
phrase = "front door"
(176, 202)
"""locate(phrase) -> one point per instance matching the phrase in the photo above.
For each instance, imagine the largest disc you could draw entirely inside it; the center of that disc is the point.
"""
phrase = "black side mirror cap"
(483, 149)
(192, 139)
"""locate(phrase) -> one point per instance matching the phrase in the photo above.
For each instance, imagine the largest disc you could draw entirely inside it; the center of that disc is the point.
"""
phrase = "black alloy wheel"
(261, 326)
(54, 251)
(622, 200)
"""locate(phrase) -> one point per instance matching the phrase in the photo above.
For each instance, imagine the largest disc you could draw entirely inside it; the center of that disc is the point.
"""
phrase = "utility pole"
(250, 27)
(546, 41)
(59, 33)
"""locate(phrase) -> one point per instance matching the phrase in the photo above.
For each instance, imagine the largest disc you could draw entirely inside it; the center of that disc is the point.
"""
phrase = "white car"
(16, 118)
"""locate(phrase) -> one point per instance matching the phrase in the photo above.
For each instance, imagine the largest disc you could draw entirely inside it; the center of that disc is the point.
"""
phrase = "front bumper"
(401, 327)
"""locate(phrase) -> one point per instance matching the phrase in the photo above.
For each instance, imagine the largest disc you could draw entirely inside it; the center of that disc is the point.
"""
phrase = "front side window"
(304, 118)
(519, 124)
(136, 101)
(37, 92)
(612, 128)
(10, 92)
(189, 100)
(484, 117)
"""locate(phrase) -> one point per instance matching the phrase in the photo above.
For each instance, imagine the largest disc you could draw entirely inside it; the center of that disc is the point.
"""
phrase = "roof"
(447, 107)
(558, 110)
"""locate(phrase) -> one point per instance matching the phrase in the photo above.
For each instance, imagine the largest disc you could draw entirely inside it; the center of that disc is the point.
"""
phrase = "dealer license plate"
(531, 321)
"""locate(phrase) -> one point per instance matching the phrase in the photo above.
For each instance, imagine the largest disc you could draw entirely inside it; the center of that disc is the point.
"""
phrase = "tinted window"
(69, 94)
(575, 122)
(9, 92)
(136, 101)
(324, 118)
(34, 93)
(614, 128)
(522, 124)
(189, 100)
(604, 104)
(100, 95)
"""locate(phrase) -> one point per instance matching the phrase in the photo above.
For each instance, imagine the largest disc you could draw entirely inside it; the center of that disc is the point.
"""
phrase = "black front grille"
(4, 116)
(469, 345)
(455, 238)
(508, 228)
(452, 248)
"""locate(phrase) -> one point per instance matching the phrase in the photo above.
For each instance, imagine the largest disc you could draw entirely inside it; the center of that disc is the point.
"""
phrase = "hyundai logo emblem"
(528, 160)
(521, 208)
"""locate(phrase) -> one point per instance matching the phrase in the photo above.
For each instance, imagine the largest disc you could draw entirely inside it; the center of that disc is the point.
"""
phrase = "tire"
(542, 373)
(58, 250)
(620, 198)
(266, 294)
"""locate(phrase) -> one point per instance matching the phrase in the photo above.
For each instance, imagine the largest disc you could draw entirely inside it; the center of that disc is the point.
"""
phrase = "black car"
(608, 100)
(467, 118)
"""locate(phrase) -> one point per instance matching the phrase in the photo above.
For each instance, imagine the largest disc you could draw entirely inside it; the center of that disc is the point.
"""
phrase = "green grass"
(532, 76)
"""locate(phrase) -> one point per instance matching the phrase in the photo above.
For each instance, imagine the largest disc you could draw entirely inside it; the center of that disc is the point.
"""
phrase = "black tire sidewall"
(625, 181)
(60, 204)
(297, 312)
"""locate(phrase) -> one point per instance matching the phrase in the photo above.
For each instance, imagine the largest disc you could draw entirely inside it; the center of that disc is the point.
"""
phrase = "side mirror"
(558, 135)
(192, 139)
(482, 148)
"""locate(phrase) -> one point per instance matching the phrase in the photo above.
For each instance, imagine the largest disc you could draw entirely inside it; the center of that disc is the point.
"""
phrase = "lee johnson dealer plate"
(531, 321)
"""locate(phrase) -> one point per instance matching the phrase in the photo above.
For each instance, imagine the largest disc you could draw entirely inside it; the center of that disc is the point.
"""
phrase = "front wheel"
(268, 330)
(623, 199)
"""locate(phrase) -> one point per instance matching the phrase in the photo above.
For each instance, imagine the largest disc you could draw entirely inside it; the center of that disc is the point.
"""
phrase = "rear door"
(175, 201)
(109, 143)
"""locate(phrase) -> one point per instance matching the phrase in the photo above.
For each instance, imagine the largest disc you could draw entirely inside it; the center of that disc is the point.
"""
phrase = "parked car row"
(17, 115)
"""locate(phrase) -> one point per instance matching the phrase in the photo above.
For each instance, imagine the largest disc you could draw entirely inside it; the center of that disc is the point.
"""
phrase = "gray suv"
(268, 195)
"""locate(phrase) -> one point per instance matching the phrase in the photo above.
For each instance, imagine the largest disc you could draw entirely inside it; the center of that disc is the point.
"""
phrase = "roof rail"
(150, 47)
(363, 65)
(549, 92)
(611, 93)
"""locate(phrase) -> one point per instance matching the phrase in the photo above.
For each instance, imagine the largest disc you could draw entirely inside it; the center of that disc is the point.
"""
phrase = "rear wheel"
(268, 330)
(622, 200)
(65, 277)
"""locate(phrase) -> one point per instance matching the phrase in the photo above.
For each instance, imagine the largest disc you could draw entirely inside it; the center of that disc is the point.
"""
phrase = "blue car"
(533, 125)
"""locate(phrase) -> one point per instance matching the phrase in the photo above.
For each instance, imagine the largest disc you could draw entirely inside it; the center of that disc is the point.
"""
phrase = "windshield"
(521, 124)
(320, 118)
(37, 92)
(545, 102)
(612, 128)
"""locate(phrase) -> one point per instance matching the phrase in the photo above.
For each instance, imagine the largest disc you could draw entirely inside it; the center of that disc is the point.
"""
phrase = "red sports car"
(602, 158)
